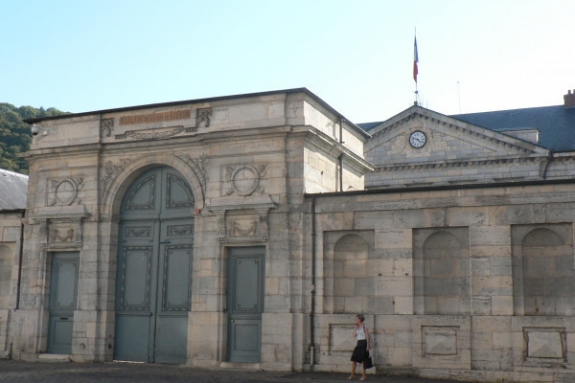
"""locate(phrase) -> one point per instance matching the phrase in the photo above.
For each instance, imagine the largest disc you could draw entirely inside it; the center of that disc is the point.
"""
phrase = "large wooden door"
(245, 303)
(153, 283)
(63, 297)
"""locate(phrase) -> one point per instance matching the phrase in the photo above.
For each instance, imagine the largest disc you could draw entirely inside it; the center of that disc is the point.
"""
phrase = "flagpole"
(415, 68)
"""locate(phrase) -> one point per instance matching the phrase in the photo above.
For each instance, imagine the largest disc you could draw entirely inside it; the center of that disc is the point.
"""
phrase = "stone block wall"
(10, 253)
(476, 283)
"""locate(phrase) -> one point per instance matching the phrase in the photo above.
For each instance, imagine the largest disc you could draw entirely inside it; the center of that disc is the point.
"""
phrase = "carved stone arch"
(117, 189)
(543, 237)
(350, 247)
(441, 240)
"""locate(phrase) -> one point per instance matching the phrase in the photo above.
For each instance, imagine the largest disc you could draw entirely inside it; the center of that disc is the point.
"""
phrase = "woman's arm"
(367, 337)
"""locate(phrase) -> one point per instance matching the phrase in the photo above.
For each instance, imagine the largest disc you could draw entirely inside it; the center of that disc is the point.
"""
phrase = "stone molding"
(107, 127)
(441, 341)
(203, 117)
(546, 345)
(244, 180)
(335, 149)
(454, 164)
(151, 134)
(243, 224)
(112, 170)
(199, 167)
(64, 191)
(61, 225)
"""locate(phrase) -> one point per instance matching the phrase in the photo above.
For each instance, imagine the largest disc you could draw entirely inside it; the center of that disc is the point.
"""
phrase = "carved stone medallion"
(64, 192)
(245, 179)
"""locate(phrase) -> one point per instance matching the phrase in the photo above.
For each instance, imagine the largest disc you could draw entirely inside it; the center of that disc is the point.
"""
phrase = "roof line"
(14, 173)
(442, 187)
(165, 104)
(9, 211)
(208, 99)
(505, 110)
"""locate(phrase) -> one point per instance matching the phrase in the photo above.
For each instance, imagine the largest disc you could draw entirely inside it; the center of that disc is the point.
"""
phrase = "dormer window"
(530, 135)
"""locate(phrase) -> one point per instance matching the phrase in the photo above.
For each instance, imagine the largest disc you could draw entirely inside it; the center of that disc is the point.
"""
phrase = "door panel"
(132, 339)
(245, 303)
(154, 269)
(174, 298)
(134, 315)
(63, 297)
(136, 278)
(246, 336)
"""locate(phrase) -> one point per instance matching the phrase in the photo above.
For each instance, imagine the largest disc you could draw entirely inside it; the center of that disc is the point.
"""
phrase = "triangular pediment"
(420, 147)
(446, 140)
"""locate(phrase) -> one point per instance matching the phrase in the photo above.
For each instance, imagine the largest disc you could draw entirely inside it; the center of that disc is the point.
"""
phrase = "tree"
(15, 135)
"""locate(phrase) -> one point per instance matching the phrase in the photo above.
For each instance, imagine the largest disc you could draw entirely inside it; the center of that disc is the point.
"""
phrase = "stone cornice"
(335, 149)
(468, 163)
(77, 150)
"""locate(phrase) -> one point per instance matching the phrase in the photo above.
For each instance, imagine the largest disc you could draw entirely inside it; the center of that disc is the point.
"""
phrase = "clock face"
(417, 139)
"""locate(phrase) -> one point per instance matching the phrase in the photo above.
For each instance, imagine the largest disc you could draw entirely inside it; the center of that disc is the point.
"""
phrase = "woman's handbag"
(368, 363)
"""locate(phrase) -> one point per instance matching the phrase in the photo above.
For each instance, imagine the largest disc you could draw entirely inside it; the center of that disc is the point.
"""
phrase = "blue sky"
(86, 55)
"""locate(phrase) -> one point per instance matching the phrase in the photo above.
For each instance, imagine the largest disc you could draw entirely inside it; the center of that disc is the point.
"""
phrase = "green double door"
(154, 269)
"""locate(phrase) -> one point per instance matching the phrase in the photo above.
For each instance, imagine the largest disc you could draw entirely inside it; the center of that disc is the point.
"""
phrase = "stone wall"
(467, 284)
(459, 282)
(248, 163)
(10, 252)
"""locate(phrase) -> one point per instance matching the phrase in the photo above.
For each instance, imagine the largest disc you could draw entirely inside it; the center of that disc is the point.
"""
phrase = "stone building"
(247, 231)
(12, 208)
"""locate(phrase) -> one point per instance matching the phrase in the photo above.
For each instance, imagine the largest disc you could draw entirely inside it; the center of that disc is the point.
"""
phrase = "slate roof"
(13, 189)
(556, 124)
(368, 125)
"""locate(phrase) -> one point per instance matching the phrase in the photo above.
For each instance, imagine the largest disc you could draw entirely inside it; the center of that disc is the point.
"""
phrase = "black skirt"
(360, 352)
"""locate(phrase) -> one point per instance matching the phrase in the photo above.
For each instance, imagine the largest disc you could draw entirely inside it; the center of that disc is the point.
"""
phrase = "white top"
(360, 333)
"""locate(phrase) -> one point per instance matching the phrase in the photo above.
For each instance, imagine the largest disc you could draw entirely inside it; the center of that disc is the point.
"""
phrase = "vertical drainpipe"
(312, 310)
(341, 122)
(340, 172)
(20, 256)
(550, 158)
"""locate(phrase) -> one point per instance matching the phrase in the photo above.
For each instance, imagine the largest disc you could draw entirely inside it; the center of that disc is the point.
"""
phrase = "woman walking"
(361, 350)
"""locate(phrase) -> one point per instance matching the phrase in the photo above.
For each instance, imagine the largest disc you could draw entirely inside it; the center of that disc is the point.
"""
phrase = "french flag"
(415, 60)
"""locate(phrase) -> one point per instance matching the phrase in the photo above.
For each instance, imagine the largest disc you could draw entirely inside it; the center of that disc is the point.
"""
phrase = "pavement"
(50, 372)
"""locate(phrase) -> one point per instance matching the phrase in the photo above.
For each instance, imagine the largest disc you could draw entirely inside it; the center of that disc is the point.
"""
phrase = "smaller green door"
(63, 296)
(245, 303)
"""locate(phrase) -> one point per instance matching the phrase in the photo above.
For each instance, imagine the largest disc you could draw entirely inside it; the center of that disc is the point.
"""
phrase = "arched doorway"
(153, 279)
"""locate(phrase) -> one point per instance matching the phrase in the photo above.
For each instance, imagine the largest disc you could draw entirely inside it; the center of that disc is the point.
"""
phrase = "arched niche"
(545, 262)
(7, 254)
(441, 270)
(349, 286)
